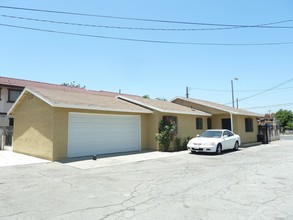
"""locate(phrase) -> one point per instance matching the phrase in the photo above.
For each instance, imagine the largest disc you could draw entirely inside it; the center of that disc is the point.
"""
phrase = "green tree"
(146, 96)
(285, 119)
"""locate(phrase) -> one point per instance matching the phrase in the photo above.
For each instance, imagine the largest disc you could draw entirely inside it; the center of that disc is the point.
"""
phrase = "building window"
(13, 95)
(11, 121)
(199, 123)
(226, 123)
(172, 119)
(209, 122)
(248, 125)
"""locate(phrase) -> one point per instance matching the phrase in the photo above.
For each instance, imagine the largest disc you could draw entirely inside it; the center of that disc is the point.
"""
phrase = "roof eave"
(102, 109)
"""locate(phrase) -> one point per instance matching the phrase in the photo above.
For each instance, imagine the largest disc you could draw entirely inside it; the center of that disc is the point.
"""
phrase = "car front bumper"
(202, 148)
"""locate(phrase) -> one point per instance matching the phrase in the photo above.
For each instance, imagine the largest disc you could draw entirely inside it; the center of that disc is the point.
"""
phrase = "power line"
(267, 90)
(271, 106)
(244, 90)
(265, 25)
(147, 41)
(129, 28)
(264, 91)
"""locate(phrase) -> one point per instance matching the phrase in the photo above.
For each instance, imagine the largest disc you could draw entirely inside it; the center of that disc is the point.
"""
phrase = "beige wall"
(238, 121)
(61, 129)
(238, 125)
(41, 130)
(33, 130)
(186, 126)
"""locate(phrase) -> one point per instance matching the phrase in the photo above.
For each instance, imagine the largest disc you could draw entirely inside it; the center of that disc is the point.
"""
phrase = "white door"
(90, 134)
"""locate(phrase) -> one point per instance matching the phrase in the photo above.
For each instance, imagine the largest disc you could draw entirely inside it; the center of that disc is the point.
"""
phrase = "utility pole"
(232, 88)
(187, 92)
(232, 93)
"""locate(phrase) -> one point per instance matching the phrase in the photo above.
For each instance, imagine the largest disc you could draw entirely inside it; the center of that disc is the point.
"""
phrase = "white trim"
(162, 110)
(139, 103)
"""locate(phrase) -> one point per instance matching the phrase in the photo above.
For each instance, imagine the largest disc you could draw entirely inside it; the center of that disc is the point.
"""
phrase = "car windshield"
(211, 134)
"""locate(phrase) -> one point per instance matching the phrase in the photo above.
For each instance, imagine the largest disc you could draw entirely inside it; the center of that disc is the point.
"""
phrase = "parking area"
(252, 183)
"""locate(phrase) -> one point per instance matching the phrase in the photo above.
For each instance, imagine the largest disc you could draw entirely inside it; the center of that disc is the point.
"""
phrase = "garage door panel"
(100, 134)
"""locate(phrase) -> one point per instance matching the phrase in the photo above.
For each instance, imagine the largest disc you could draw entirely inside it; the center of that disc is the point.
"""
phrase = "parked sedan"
(214, 141)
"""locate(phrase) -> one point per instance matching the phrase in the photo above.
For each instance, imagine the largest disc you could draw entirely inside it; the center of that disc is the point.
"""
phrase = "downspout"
(231, 117)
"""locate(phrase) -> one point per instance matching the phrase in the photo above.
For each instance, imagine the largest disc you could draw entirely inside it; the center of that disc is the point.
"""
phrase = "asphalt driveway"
(252, 183)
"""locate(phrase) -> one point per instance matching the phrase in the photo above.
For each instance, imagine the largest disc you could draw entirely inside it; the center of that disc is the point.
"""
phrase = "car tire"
(236, 146)
(219, 149)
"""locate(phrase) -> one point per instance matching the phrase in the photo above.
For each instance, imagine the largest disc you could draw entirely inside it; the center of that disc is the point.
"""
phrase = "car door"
(228, 140)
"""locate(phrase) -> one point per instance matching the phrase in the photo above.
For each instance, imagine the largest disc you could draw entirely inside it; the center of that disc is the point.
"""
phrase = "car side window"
(226, 133)
(230, 134)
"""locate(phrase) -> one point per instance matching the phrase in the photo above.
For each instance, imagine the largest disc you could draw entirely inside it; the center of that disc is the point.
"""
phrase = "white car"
(215, 141)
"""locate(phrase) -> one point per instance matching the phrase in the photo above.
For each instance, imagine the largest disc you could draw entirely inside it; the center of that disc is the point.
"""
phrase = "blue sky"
(157, 70)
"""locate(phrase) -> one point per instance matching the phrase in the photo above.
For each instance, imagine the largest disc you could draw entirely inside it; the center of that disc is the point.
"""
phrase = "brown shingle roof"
(162, 106)
(217, 106)
(71, 98)
(21, 83)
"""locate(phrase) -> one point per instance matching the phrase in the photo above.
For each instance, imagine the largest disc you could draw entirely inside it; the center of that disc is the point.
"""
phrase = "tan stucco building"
(56, 124)
(239, 121)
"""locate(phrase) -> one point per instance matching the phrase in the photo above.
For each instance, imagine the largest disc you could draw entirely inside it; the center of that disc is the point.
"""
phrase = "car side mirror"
(197, 135)
(225, 136)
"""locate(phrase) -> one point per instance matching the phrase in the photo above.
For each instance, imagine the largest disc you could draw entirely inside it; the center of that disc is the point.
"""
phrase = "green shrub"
(167, 132)
(185, 142)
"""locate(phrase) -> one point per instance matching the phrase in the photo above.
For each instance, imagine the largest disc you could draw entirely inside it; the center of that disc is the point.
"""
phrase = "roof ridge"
(27, 80)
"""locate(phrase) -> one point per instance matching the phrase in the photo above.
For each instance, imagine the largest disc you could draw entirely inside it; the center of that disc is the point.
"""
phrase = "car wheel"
(219, 149)
(236, 146)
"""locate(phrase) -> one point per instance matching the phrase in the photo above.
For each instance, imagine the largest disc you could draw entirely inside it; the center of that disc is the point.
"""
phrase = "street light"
(233, 90)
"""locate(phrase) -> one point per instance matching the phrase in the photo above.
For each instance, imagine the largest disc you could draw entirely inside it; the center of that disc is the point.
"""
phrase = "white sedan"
(214, 141)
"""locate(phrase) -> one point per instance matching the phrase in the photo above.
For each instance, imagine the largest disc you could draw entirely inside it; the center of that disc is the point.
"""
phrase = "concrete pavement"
(9, 158)
(252, 183)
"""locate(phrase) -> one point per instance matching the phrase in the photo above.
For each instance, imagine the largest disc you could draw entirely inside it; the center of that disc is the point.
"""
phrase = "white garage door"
(90, 134)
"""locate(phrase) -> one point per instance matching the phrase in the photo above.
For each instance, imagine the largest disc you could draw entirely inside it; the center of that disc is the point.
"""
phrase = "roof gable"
(162, 106)
(215, 107)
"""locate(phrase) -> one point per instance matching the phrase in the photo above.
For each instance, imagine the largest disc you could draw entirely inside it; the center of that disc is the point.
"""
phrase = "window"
(248, 125)
(226, 123)
(209, 122)
(172, 119)
(13, 95)
(199, 123)
(11, 121)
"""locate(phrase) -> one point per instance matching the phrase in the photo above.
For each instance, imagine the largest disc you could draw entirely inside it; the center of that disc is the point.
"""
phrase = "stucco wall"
(186, 126)
(33, 128)
(61, 129)
(246, 137)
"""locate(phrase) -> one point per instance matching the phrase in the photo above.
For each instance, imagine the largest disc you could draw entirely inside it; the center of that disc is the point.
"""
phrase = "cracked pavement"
(252, 183)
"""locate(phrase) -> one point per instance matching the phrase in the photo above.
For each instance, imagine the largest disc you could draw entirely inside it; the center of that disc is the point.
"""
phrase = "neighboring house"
(239, 121)
(10, 89)
(61, 123)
